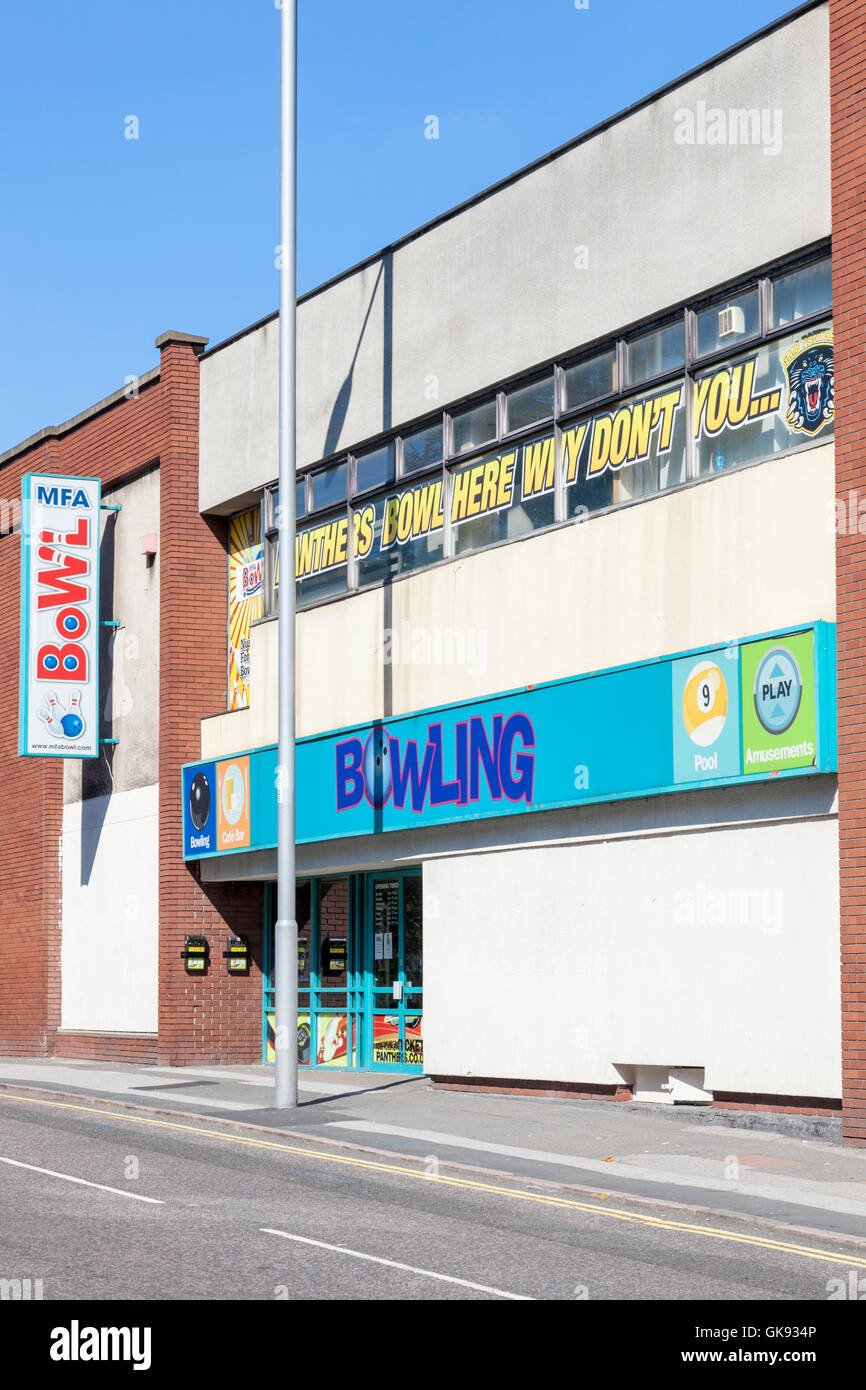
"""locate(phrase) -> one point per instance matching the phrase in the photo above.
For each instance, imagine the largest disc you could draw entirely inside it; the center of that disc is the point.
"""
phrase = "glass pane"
(303, 913)
(332, 1049)
(663, 350)
(422, 448)
(329, 486)
(376, 468)
(386, 933)
(474, 427)
(504, 496)
(802, 292)
(300, 499)
(400, 532)
(333, 935)
(387, 1042)
(413, 1042)
(631, 451)
(723, 324)
(528, 404)
(320, 558)
(322, 586)
(775, 398)
(413, 938)
(587, 380)
(304, 1034)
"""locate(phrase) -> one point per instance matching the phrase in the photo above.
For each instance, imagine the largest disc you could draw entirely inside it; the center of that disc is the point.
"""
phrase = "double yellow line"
(810, 1252)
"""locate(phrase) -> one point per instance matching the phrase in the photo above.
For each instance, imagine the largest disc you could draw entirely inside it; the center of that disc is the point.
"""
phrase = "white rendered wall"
(567, 963)
(109, 913)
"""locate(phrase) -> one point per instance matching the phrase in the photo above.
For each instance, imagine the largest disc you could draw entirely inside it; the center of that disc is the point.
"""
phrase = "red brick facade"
(215, 1017)
(848, 162)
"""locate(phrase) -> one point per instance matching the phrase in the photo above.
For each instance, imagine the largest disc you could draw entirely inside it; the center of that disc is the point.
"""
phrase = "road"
(116, 1206)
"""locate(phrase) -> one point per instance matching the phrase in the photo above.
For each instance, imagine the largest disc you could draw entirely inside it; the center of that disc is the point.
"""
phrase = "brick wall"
(848, 163)
(112, 445)
(216, 1017)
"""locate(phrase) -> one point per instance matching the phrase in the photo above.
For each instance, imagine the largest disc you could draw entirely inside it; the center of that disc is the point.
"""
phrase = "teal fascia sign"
(752, 710)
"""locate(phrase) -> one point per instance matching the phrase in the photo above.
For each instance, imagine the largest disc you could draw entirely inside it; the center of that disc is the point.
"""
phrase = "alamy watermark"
(705, 906)
(410, 645)
(712, 125)
(21, 1290)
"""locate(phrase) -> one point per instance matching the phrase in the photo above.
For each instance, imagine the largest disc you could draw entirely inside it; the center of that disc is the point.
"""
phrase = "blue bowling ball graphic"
(72, 724)
(377, 767)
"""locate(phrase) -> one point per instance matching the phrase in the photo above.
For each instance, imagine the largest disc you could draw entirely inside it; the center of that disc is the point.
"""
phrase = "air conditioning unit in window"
(732, 320)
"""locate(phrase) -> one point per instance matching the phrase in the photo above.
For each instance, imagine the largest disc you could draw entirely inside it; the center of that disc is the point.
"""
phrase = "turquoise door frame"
(392, 956)
(381, 1031)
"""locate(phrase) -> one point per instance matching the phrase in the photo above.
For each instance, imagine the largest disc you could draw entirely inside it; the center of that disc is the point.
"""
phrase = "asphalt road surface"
(113, 1206)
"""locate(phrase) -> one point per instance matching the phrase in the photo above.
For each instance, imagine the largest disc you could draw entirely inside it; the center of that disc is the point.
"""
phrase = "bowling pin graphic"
(77, 537)
(50, 555)
(51, 716)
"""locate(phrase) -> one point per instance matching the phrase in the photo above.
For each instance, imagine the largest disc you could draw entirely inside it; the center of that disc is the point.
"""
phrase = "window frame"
(562, 417)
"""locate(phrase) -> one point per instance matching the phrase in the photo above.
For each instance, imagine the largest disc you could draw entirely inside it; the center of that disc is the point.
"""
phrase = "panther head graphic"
(810, 390)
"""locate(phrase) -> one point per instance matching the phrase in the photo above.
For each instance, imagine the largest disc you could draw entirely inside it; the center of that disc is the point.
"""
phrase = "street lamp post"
(286, 934)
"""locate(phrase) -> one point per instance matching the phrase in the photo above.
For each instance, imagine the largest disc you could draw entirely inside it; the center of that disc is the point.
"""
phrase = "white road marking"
(67, 1177)
(395, 1264)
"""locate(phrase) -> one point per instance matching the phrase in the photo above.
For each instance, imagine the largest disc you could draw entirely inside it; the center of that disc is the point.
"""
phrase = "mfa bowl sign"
(59, 680)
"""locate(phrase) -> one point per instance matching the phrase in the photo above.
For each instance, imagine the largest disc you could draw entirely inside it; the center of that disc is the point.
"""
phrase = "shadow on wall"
(96, 773)
(385, 277)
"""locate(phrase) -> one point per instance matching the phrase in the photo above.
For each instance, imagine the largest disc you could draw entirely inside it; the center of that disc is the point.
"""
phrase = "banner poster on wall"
(246, 579)
(59, 671)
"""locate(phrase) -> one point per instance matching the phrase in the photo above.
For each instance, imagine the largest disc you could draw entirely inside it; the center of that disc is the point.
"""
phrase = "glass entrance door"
(360, 972)
(394, 965)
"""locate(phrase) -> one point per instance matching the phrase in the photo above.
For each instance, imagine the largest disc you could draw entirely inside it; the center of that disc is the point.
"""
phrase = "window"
(588, 380)
(503, 496)
(767, 401)
(375, 469)
(321, 548)
(329, 486)
(615, 434)
(802, 292)
(529, 404)
(474, 427)
(631, 449)
(422, 448)
(727, 322)
(399, 532)
(654, 353)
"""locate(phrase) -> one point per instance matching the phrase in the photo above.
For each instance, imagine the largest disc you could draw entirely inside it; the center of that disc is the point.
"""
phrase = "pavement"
(651, 1153)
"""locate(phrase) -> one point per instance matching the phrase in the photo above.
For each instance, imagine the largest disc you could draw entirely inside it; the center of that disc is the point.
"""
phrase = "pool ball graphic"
(705, 703)
(377, 767)
(199, 800)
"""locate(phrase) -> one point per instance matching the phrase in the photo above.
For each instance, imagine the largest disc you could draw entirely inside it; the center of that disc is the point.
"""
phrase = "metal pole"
(286, 934)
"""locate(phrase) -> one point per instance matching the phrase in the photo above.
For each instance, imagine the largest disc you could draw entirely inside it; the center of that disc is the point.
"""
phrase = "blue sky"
(108, 241)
